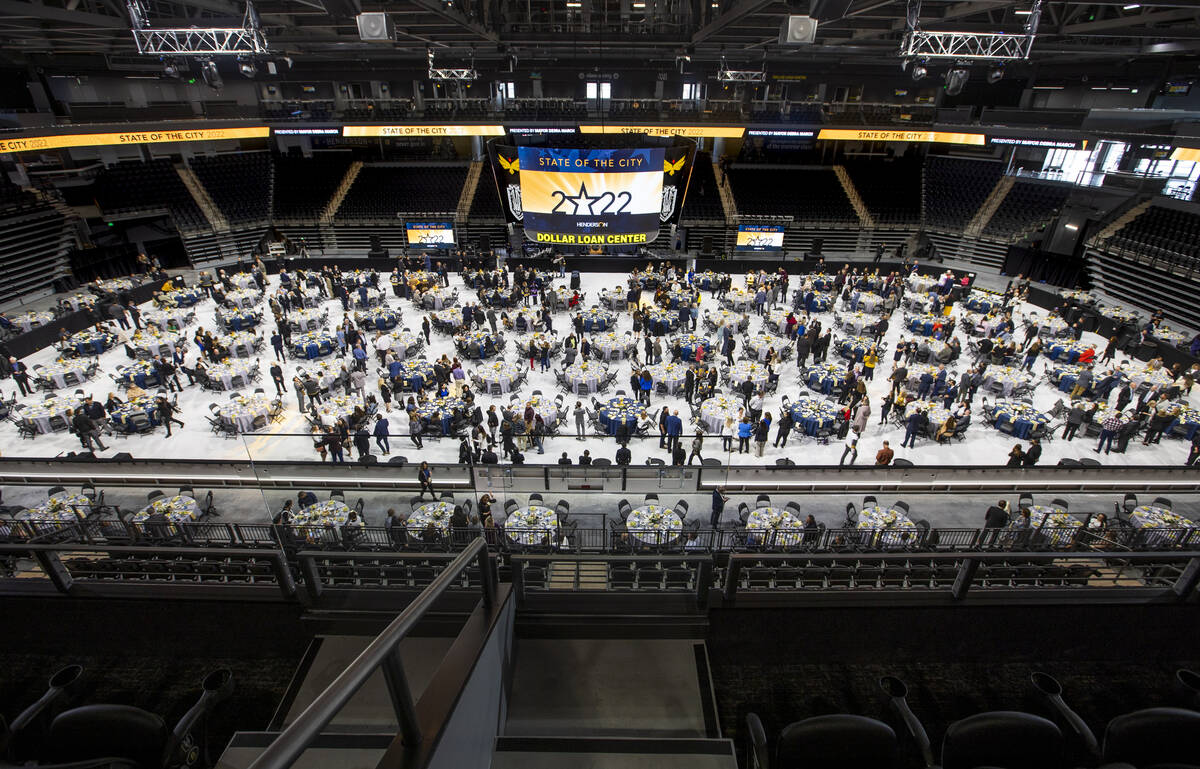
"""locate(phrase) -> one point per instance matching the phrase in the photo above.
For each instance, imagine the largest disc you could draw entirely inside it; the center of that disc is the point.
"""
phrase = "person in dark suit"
(719, 498)
(20, 374)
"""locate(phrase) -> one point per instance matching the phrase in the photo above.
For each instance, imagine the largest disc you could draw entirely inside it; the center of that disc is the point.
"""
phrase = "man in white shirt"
(383, 343)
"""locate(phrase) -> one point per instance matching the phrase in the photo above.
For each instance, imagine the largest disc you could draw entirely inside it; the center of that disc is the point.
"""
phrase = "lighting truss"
(727, 75)
(451, 73)
(247, 39)
(967, 46)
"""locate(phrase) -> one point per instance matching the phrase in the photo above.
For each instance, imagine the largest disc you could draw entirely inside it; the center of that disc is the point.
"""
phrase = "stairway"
(1118, 224)
(860, 207)
(339, 195)
(988, 209)
(577, 575)
(474, 171)
(727, 201)
(200, 195)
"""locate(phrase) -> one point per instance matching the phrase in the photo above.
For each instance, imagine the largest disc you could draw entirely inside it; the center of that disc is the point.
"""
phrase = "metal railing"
(381, 654)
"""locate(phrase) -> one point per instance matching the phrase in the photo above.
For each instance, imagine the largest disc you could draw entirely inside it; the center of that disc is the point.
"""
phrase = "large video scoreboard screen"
(600, 197)
(759, 237)
(430, 234)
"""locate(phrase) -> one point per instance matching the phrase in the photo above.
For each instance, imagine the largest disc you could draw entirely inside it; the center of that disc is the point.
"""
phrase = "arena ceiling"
(614, 33)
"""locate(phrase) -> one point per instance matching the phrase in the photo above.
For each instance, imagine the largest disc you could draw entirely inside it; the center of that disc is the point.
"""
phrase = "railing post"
(487, 579)
(733, 573)
(703, 578)
(53, 568)
(401, 695)
(312, 579)
(966, 574)
(283, 575)
(518, 579)
(1188, 579)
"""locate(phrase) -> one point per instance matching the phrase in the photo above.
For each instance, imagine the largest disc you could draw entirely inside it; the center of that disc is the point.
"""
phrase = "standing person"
(20, 374)
(425, 328)
(698, 444)
(1194, 451)
(414, 429)
(994, 519)
(785, 428)
(86, 429)
(674, 430)
(884, 456)
(718, 504)
(912, 428)
(277, 345)
(1108, 430)
(744, 430)
(334, 441)
(1016, 457)
(166, 413)
(1074, 420)
(851, 448)
(1034, 453)
(382, 431)
(425, 478)
(580, 420)
(762, 434)
(277, 378)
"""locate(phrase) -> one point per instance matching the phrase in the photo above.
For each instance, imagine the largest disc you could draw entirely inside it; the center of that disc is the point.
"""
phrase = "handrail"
(381, 652)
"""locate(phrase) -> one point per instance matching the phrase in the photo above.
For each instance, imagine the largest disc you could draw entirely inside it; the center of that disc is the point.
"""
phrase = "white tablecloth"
(531, 525)
(590, 372)
(654, 524)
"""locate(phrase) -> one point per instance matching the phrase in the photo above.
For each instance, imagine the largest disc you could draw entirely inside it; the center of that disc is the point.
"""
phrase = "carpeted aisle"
(153, 654)
(787, 665)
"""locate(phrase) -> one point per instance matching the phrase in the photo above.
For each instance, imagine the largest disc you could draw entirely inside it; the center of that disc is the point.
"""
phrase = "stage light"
(919, 72)
(247, 67)
(170, 69)
(995, 75)
(211, 75)
(955, 80)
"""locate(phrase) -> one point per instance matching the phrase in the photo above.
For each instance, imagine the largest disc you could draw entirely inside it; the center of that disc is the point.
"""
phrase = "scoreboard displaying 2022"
(430, 234)
(579, 197)
(759, 237)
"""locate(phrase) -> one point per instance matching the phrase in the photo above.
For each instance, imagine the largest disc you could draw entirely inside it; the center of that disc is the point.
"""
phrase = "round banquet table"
(335, 407)
(27, 321)
(678, 296)
(441, 412)
(63, 507)
(525, 321)
(241, 344)
(1148, 376)
(708, 280)
(365, 298)
(177, 509)
(659, 322)
(1010, 379)
(923, 324)
(1023, 417)
(331, 511)
(869, 303)
(654, 525)
(307, 320)
(856, 322)
(918, 303)
(57, 370)
(143, 405)
(596, 319)
(422, 278)
(935, 412)
(592, 373)
(437, 298)
(921, 283)
(689, 342)
(327, 372)
(163, 318)
(1119, 314)
(243, 280)
(984, 301)
(1050, 522)
(229, 372)
(894, 528)
(1186, 417)
(813, 415)
(738, 299)
(917, 370)
(183, 297)
(1158, 525)
(489, 344)
(671, 375)
(714, 411)
(611, 345)
(531, 345)
(313, 344)
(381, 318)
(774, 527)
(138, 372)
(776, 322)
(1082, 297)
(1067, 351)
(744, 370)
(243, 410)
(532, 525)
(610, 297)
(547, 409)
(761, 344)
(1171, 336)
(436, 514)
(404, 342)
(243, 299)
(618, 411)
(496, 297)
(40, 412)
(820, 302)
(825, 377)
(412, 372)
(115, 285)
(1053, 326)
(154, 342)
(821, 281)
(506, 375)
(92, 342)
(238, 320)
(854, 347)
(740, 321)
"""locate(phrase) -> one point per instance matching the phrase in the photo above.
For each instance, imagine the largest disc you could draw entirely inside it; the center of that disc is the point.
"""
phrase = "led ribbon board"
(759, 237)
(598, 197)
(430, 234)
(63, 141)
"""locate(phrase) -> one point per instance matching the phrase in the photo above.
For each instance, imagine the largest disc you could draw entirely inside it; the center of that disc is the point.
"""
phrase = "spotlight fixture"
(995, 75)
(211, 75)
(171, 69)
(247, 67)
(955, 80)
(919, 72)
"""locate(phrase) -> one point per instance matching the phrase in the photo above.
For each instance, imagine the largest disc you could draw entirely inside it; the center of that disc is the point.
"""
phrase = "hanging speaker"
(798, 30)
(374, 27)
